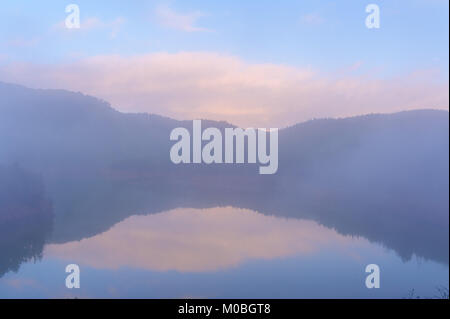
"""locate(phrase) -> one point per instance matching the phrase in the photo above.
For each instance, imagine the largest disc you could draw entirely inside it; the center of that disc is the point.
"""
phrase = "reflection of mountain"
(384, 177)
(25, 218)
(188, 239)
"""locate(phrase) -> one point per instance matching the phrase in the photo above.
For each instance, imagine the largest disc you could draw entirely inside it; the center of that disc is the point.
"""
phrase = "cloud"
(21, 42)
(190, 85)
(94, 23)
(179, 21)
(191, 240)
(311, 19)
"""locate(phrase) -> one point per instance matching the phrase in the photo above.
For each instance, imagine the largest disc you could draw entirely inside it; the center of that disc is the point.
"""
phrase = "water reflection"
(26, 218)
(201, 240)
(88, 206)
(223, 252)
(414, 226)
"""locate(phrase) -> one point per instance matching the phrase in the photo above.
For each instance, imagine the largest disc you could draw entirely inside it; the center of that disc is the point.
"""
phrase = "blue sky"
(322, 34)
(328, 37)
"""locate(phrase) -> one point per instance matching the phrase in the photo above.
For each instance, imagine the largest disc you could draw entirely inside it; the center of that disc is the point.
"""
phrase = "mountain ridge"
(8, 87)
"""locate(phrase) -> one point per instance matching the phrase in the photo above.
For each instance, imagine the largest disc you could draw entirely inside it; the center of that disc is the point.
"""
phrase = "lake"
(222, 252)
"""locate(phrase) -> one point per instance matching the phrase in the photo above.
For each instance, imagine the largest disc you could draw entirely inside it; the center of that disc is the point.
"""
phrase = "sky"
(252, 63)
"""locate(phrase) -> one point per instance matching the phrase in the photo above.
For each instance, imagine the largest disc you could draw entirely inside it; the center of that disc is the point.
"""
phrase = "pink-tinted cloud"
(187, 22)
(93, 23)
(191, 85)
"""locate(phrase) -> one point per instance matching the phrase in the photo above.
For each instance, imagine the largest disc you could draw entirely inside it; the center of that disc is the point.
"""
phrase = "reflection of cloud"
(20, 283)
(197, 240)
(179, 21)
(206, 85)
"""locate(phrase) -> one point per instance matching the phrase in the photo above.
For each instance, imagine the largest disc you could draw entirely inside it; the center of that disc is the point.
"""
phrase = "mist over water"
(83, 183)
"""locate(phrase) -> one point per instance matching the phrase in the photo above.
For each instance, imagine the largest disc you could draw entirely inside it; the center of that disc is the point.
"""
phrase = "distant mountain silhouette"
(383, 176)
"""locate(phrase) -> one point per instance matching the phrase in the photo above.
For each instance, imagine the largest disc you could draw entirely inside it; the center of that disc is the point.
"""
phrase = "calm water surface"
(222, 252)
